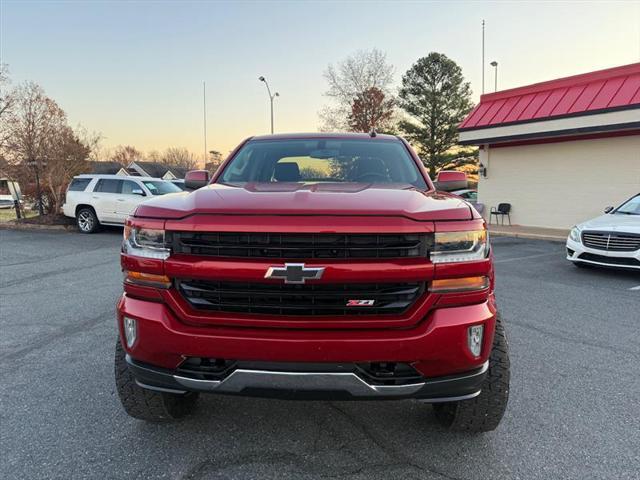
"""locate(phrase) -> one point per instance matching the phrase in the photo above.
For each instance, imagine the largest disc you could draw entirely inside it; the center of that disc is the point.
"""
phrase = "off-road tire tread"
(484, 412)
(145, 404)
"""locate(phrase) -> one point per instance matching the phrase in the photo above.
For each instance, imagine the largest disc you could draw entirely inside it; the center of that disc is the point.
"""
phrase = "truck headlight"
(574, 234)
(460, 246)
(145, 242)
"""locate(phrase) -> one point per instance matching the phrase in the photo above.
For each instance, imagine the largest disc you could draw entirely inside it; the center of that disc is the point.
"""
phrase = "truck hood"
(309, 199)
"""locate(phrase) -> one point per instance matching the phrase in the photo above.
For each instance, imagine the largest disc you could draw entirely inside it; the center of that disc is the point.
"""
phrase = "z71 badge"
(360, 303)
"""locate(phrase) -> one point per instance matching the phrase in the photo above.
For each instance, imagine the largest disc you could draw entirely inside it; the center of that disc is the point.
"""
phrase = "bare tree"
(93, 140)
(32, 125)
(153, 156)
(214, 161)
(351, 78)
(126, 154)
(179, 157)
(67, 158)
(7, 101)
(42, 147)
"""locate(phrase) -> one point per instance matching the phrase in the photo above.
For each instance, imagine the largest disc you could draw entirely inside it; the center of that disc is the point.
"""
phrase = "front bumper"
(577, 252)
(337, 382)
(436, 349)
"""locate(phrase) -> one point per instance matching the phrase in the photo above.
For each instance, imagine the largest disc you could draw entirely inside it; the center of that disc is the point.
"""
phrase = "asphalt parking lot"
(574, 408)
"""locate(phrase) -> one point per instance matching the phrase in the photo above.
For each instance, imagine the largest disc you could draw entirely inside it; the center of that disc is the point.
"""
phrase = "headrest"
(287, 172)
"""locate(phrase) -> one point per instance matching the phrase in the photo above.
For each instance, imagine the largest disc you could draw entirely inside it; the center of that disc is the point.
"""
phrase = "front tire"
(146, 404)
(484, 412)
(87, 220)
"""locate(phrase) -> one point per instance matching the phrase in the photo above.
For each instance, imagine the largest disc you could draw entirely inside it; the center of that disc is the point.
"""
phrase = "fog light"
(130, 331)
(475, 339)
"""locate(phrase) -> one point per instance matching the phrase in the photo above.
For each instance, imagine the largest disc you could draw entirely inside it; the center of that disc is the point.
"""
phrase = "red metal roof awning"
(601, 91)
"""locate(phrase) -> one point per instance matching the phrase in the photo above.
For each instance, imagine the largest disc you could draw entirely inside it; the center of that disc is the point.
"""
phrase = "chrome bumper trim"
(242, 379)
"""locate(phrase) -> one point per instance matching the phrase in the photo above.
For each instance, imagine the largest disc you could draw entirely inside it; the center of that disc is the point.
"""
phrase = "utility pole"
(483, 56)
(204, 113)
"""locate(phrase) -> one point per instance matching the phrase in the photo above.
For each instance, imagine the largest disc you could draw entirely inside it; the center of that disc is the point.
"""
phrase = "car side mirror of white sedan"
(608, 209)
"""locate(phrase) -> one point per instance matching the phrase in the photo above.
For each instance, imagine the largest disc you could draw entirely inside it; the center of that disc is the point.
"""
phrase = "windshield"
(323, 160)
(160, 188)
(631, 207)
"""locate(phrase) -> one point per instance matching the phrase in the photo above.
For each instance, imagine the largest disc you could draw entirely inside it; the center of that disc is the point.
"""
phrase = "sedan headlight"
(574, 234)
(460, 246)
(145, 242)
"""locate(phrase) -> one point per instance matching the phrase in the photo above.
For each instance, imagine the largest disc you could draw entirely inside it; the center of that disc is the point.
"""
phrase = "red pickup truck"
(312, 266)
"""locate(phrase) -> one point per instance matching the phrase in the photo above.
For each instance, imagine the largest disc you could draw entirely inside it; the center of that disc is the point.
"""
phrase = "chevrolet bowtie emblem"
(295, 273)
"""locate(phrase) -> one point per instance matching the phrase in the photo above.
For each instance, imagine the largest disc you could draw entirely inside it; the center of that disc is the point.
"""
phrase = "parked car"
(95, 200)
(610, 240)
(179, 183)
(470, 196)
(9, 191)
(312, 266)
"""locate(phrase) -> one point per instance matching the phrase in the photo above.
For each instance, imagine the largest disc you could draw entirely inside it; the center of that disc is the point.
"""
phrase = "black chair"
(502, 211)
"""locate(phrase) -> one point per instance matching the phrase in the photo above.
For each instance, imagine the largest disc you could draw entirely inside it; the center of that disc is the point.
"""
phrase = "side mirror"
(137, 191)
(449, 180)
(195, 179)
(608, 209)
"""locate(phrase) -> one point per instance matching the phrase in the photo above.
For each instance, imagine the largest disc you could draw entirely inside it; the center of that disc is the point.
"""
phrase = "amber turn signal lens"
(147, 279)
(464, 284)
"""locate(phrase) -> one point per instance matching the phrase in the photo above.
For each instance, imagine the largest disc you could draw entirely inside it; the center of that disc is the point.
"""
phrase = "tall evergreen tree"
(436, 98)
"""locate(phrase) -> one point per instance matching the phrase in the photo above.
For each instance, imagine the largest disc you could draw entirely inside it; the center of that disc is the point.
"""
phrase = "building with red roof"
(559, 151)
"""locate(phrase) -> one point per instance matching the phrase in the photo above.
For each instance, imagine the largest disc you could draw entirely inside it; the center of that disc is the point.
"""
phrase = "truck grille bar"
(300, 300)
(301, 246)
(611, 241)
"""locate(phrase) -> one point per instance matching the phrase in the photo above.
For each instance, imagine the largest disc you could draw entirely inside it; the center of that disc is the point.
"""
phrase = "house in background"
(559, 151)
(139, 169)
(106, 168)
(156, 170)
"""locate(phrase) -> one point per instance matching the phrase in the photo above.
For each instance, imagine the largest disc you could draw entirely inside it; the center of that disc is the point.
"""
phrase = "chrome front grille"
(611, 241)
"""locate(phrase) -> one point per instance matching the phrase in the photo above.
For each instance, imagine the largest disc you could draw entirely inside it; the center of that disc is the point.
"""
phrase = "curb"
(529, 236)
(35, 226)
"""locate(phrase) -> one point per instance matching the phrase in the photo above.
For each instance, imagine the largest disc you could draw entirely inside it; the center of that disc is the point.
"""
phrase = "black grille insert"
(302, 300)
(301, 246)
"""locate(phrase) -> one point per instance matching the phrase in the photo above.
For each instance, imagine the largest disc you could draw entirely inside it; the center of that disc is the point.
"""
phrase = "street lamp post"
(494, 64)
(271, 97)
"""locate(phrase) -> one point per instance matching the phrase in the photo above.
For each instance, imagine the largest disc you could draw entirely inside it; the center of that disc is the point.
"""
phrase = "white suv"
(95, 200)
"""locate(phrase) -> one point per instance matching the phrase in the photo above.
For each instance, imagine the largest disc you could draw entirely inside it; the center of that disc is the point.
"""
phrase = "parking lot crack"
(63, 331)
(565, 338)
(53, 273)
(398, 457)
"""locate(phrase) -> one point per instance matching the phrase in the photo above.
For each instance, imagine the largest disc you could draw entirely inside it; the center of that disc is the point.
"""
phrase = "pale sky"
(134, 70)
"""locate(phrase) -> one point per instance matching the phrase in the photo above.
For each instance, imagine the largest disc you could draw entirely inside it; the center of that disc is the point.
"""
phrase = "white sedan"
(610, 240)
